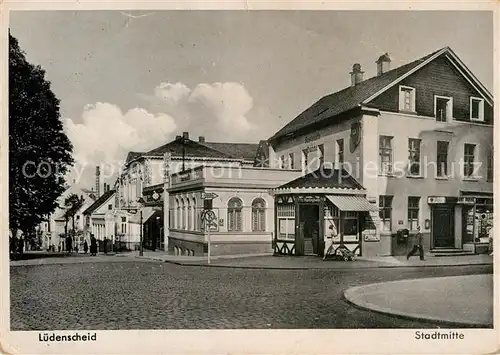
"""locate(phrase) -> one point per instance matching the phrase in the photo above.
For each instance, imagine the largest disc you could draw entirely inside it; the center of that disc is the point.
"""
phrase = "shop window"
(414, 156)
(413, 211)
(442, 158)
(258, 215)
(234, 215)
(385, 154)
(286, 221)
(350, 227)
(332, 217)
(469, 158)
(385, 212)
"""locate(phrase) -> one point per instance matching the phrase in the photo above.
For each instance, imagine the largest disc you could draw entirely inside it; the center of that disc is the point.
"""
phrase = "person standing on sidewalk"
(328, 239)
(417, 245)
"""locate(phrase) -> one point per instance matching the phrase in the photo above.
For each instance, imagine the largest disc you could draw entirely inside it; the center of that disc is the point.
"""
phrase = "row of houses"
(412, 146)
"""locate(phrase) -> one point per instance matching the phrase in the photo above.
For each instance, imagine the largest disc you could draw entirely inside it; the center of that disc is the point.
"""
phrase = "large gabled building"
(418, 141)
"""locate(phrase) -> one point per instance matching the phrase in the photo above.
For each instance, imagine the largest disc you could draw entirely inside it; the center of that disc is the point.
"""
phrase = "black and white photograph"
(270, 169)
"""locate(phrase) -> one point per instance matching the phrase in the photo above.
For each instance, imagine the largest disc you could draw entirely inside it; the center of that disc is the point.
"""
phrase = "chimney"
(98, 181)
(201, 139)
(383, 64)
(356, 74)
(185, 135)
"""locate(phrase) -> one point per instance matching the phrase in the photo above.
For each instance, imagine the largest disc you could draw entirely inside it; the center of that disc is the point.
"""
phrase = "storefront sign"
(184, 177)
(309, 199)
(435, 200)
(465, 200)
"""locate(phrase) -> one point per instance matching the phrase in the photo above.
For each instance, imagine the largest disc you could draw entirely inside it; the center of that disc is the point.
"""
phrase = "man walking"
(417, 245)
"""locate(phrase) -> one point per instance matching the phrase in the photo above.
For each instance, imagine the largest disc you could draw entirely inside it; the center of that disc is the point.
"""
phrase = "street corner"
(440, 299)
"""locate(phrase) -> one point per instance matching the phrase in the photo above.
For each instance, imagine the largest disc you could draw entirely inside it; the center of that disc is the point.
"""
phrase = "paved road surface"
(151, 295)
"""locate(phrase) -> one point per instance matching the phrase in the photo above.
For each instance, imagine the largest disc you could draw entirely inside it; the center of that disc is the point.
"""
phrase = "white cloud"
(217, 111)
(107, 134)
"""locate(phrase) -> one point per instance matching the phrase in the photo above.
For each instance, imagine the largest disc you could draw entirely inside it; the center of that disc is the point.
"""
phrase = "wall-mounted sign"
(432, 200)
(355, 137)
(400, 222)
(308, 199)
(466, 200)
(184, 177)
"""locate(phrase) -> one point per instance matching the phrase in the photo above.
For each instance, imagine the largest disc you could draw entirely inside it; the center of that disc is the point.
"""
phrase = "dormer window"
(476, 109)
(406, 99)
(443, 108)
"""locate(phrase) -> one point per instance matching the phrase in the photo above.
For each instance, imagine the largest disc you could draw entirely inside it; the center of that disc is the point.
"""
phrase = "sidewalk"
(268, 261)
(454, 301)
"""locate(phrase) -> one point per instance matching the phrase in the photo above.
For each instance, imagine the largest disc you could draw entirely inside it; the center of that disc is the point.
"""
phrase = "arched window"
(195, 215)
(183, 212)
(259, 215)
(178, 216)
(189, 217)
(234, 218)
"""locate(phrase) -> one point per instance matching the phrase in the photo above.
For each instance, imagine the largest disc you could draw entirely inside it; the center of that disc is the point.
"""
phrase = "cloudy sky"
(134, 83)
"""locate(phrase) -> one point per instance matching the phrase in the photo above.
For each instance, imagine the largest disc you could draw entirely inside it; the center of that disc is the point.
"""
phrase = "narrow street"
(133, 294)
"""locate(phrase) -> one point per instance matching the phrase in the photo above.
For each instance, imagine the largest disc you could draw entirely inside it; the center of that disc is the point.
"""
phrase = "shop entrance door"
(443, 227)
(308, 242)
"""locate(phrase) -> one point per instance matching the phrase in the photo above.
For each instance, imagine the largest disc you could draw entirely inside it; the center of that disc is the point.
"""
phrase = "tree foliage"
(39, 150)
(72, 204)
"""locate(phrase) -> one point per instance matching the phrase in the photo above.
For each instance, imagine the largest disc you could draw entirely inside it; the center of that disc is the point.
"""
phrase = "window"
(385, 212)
(489, 165)
(469, 150)
(413, 209)
(286, 221)
(234, 218)
(195, 215)
(281, 162)
(78, 217)
(476, 109)
(189, 216)
(442, 158)
(305, 163)
(290, 161)
(332, 217)
(340, 152)
(110, 206)
(443, 108)
(385, 154)
(406, 99)
(321, 154)
(258, 215)
(183, 215)
(178, 217)
(350, 228)
(124, 225)
(414, 156)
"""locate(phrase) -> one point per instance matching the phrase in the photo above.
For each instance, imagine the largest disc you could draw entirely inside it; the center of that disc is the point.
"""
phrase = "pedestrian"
(328, 239)
(417, 245)
(93, 246)
(85, 247)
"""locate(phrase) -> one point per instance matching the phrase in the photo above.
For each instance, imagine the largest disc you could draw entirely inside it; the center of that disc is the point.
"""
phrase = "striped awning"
(351, 203)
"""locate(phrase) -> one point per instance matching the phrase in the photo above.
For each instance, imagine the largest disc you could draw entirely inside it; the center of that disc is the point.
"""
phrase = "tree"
(72, 203)
(39, 150)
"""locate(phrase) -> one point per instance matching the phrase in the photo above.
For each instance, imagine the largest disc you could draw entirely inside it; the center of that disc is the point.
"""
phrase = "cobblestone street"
(133, 294)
